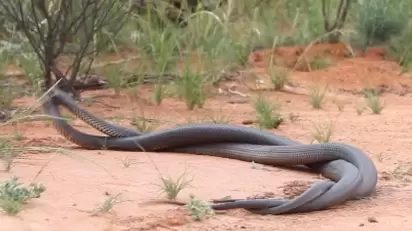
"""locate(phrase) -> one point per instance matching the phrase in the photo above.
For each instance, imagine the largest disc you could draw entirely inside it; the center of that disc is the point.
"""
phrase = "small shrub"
(198, 209)
(13, 195)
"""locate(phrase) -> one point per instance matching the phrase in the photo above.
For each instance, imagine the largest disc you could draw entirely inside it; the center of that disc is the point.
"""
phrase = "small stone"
(248, 122)
(372, 220)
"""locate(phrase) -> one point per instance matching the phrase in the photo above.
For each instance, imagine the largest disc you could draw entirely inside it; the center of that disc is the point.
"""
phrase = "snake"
(350, 173)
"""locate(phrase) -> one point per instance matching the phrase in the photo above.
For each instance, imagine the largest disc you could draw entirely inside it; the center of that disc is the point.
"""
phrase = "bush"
(400, 48)
(379, 20)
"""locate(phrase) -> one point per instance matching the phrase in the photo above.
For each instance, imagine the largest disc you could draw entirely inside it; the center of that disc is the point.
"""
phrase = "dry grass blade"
(322, 132)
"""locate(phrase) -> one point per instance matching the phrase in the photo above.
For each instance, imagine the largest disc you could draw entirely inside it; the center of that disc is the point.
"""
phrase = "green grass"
(190, 88)
(279, 77)
(115, 78)
(320, 63)
(316, 97)
(7, 96)
(268, 115)
(173, 186)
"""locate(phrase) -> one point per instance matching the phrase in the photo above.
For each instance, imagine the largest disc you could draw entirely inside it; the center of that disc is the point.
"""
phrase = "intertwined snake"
(352, 174)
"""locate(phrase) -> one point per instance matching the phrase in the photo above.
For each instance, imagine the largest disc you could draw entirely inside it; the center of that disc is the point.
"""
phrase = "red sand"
(77, 185)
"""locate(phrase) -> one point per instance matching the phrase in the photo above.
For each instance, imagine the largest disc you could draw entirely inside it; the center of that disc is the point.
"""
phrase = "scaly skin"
(354, 173)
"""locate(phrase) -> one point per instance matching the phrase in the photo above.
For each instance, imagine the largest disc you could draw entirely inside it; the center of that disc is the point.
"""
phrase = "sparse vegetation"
(279, 77)
(316, 97)
(109, 203)
(127, 161)
(322, 133)
(172, 187)
(220, 118)
(374, 103)
(114, 79)
(190, 87)
(7, 154)
(142, 124)
(158, 94)
(13, 195)
(198, 209)
(320, 63)
(268, 115)
(154, 53)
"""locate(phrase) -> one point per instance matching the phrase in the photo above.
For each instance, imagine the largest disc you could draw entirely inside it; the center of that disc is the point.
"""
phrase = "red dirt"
(77, 185)
(365, 70)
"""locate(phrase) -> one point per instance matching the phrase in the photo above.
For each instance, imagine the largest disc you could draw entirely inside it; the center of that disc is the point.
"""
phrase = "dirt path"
(77, 185)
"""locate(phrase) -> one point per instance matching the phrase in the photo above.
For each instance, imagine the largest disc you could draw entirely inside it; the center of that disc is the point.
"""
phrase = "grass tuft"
(322, 133)
(172, 187)
(190, 87)
(268, 115)
(374, 103)
(316, 97)
(279, 77)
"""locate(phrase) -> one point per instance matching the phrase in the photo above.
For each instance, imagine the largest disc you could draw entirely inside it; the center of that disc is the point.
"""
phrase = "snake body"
(352, 173)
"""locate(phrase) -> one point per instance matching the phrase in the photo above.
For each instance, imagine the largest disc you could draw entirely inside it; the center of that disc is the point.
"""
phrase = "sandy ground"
(77, 185)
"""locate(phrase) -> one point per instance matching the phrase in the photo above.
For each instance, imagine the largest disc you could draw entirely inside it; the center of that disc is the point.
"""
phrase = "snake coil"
(351, 173)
